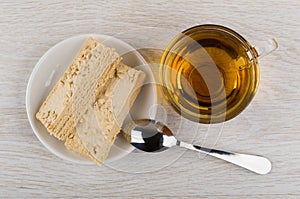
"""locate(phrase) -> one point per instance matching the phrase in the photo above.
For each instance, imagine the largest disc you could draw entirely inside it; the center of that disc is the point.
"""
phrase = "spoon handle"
(253, 163)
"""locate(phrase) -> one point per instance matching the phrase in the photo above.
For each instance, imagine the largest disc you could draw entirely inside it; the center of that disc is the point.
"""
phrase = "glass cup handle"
(264, 48)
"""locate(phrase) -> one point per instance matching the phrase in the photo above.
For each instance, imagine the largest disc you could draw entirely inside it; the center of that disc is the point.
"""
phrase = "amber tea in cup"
(210, 73)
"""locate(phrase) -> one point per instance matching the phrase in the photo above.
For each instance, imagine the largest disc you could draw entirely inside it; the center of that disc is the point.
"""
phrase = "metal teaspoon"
(152, 136)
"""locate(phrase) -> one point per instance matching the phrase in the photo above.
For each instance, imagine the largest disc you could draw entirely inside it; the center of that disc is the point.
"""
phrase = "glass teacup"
(210, 73)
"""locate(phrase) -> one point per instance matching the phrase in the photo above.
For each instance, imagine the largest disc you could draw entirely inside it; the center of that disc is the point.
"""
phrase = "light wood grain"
(269, 126)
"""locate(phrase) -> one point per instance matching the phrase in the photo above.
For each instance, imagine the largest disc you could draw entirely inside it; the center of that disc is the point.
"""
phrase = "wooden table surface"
(269, 126)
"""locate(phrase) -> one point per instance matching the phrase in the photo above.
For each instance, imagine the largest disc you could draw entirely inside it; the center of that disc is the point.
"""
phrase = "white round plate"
(51, 67)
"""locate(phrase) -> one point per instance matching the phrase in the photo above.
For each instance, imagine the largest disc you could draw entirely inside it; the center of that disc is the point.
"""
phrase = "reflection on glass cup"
(210, 73)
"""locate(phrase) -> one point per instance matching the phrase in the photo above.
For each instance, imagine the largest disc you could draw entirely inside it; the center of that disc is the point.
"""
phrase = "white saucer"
(50, 68)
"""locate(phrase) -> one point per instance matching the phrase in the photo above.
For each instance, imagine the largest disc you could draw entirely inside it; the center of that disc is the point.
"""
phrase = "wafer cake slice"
(97, 130)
